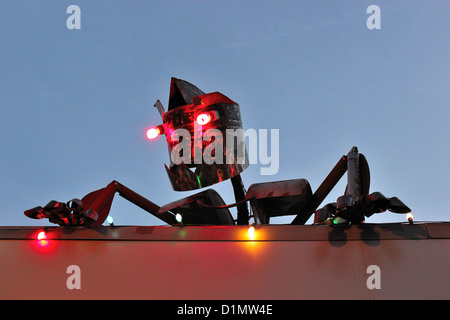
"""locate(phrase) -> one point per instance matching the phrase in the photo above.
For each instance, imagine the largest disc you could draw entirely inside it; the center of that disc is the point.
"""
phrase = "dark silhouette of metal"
(270, 199)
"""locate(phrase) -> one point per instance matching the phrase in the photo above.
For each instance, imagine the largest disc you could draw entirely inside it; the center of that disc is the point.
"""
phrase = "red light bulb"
(203, 119)
(41, 235)
(153, 133)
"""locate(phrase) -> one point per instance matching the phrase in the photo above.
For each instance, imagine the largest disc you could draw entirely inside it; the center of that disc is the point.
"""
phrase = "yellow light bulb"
(251, 233)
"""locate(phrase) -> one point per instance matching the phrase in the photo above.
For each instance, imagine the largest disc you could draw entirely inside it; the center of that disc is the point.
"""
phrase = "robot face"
(197, 127)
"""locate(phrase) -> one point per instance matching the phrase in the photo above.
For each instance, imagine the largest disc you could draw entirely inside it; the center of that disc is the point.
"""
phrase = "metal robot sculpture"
(192, 113)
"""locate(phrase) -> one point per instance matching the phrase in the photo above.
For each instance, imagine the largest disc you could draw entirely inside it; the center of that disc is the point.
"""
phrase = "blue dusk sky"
(75, 103)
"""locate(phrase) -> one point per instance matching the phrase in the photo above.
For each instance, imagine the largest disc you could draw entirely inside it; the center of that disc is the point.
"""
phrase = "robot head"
(204, 137)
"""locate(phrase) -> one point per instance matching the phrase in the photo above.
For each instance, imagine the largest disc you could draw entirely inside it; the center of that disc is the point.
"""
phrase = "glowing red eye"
(153, 133)
(41, 235)
(203, 119)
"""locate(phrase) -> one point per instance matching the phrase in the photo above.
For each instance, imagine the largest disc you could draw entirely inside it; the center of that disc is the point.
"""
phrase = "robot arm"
(93, 209)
